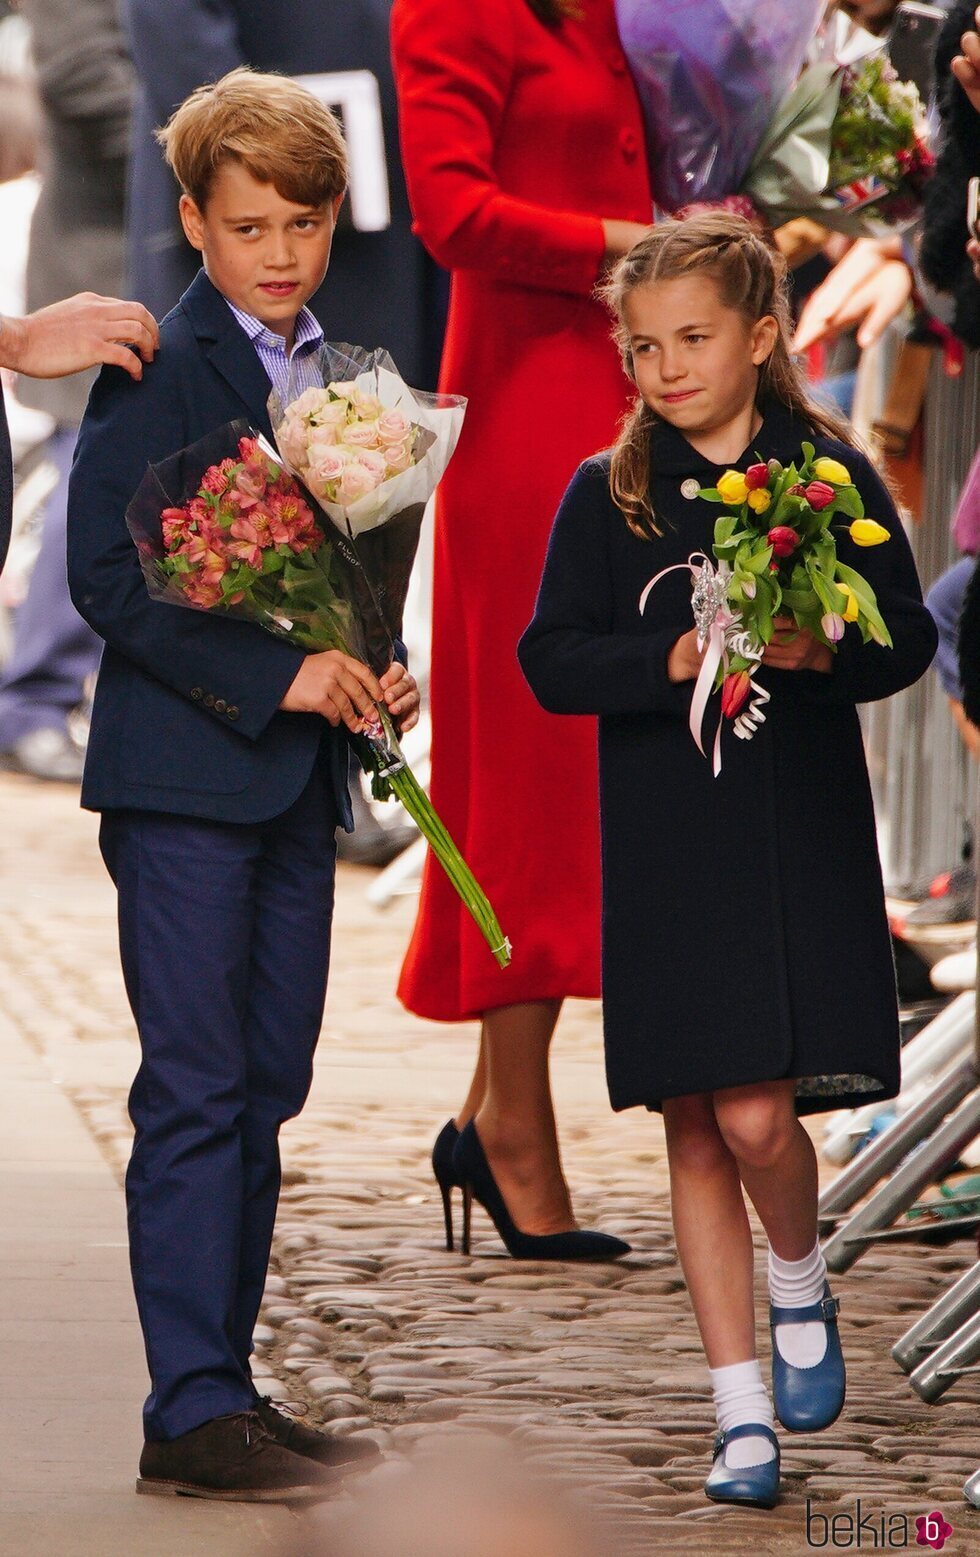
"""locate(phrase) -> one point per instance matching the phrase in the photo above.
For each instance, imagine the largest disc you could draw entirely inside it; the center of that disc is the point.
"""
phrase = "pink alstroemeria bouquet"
(776, 556)
(223, 527)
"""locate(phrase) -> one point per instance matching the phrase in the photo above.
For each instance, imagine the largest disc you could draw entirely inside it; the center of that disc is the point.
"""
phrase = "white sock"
(797, 1284)
(741, 1396)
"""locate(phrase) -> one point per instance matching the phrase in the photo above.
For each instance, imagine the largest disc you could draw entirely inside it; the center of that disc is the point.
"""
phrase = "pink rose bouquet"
(223, 527)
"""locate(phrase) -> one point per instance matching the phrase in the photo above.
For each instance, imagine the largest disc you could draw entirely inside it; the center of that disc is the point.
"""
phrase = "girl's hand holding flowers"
(795, 648)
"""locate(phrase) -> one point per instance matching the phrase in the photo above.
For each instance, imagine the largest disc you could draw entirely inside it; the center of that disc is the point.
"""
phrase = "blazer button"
(197, 693)
(233, 712)
(616, 62)
(220, 705)
(209, 700)
(629, 144)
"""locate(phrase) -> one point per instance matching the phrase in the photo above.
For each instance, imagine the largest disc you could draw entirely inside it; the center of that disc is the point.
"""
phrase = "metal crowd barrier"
(925, 785)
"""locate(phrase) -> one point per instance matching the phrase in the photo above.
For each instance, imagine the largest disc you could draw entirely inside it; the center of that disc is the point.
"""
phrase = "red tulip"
(818, 494)
(757, 476)
(734, 693)
(783, 540)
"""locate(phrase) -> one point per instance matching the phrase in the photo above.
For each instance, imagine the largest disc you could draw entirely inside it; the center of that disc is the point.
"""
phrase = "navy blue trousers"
(225, 935)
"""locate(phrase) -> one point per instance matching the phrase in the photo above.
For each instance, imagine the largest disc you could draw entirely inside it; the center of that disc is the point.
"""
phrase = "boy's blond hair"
(273, 127)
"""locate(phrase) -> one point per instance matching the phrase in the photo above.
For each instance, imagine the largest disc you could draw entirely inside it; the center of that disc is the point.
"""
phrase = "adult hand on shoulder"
(79, 332)
(795, 648)
(966, 66)
(401, 695)
(869, 288)
(336, 686)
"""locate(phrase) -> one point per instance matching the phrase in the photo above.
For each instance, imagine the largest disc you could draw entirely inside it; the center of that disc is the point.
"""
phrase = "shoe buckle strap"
(829, 1309)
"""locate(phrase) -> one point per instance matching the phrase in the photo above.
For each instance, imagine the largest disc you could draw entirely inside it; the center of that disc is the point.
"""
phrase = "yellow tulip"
(867, 532)
(759, 500)
(850, 611)
(832, 471)
(732, 488)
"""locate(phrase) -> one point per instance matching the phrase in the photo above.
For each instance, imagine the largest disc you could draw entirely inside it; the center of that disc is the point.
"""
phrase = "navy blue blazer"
(185, 717)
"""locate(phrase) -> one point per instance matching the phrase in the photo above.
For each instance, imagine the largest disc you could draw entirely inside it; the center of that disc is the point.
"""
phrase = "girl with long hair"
(746, 962)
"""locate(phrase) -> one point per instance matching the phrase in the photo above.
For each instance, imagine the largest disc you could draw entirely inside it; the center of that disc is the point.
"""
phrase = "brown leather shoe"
(338, 1453)
(231, 1459)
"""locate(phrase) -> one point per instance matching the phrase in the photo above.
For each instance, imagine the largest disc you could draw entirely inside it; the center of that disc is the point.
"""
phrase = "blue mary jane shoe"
(757, 1485)
(808, 1399)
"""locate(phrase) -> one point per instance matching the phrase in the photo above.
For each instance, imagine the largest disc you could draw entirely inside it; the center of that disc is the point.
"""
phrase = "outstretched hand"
(79, 332)
(966, 66)
(869, 288)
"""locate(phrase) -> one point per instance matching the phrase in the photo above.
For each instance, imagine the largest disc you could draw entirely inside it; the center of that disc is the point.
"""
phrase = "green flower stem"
(419, 807)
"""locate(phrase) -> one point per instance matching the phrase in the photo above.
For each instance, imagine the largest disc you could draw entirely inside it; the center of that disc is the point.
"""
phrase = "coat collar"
(227, 347)
(779, 436)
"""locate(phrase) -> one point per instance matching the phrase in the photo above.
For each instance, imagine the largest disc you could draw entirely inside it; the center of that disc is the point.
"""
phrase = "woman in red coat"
(523, 148)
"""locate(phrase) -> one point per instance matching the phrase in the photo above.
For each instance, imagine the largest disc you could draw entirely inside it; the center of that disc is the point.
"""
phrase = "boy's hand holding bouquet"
(780, 592)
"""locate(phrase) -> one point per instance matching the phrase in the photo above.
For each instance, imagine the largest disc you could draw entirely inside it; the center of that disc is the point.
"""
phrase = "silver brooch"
(690, 487)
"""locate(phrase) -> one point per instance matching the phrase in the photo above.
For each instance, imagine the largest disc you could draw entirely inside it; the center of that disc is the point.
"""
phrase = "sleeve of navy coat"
(126, 427)
(866, 672)
(573, 660)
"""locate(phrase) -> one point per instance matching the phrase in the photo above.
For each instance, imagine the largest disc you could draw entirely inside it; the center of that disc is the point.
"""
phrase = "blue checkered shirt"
(301, 362)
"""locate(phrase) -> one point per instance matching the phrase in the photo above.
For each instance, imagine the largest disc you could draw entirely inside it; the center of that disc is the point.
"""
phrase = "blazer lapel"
(228, 348)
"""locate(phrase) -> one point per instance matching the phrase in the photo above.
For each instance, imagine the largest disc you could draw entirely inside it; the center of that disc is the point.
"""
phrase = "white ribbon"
(720, 633)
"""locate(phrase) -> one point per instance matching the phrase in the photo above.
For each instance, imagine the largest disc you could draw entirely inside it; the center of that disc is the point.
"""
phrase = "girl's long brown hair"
(750, 277)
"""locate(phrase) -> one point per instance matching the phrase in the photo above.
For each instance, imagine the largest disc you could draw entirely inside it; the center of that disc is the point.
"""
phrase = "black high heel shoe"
(442, 1167)
(473, 1172)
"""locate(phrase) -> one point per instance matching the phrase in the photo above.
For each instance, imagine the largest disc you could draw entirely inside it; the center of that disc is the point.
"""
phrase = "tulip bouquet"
(776, 557)
(223, 527)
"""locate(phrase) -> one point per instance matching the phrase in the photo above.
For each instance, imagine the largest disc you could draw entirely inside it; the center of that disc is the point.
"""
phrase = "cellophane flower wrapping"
(370, 451)
(848, 147)
(223, 526)
(710, 75)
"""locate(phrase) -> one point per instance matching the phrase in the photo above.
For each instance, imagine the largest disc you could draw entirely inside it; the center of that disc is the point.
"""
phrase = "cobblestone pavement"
(596, 1371)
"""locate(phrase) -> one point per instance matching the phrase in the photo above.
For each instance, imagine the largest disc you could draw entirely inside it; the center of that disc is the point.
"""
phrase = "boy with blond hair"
(218, 760)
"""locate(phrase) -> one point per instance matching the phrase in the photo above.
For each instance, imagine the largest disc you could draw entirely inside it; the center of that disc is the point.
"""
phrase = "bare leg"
(711, 1227)
(516, 1119)
(776, 1162)
(478, 1086)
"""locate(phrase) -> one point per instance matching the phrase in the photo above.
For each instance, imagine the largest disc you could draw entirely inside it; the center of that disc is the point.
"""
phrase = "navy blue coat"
(185, 717)
(744, 931)
(383, 290)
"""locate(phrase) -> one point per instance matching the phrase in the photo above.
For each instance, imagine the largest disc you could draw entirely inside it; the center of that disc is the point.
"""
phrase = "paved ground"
(596, 1373)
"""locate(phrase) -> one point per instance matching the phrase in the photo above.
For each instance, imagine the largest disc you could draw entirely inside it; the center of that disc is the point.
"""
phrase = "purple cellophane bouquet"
(711, 75)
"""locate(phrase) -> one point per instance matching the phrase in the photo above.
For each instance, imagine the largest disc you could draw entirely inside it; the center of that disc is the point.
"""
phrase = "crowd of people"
(196, 159)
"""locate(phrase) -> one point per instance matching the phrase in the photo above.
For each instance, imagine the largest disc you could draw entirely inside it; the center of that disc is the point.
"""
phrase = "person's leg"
(778, 1167)
(185, 917)
(516, 1118)
(776, 1162)
(54, 650)
(286, 991)
(711, 1229)
(478, 1086)
(714, 1246)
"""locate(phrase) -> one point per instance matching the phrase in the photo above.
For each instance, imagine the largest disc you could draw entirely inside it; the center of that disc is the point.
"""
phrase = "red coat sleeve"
(454, 64)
